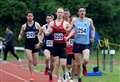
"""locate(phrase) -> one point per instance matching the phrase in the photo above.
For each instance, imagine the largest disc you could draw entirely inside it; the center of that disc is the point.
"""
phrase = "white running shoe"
(59, 80)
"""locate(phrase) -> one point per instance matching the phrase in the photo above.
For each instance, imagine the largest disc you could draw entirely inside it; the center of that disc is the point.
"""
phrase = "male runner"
(82, 38)
(31, 30)
(58, 28)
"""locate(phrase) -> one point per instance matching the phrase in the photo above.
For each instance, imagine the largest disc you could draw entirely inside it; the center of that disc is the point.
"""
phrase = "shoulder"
(65, 22)
(23, 26)
(51, 23)
(37, 25)
(90, 20)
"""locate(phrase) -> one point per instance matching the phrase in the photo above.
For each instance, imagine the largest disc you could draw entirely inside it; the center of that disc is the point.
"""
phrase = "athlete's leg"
(77, 63)
(47, 60)
(86, 53)
(56, 66)
(35, 58)
(30, 60)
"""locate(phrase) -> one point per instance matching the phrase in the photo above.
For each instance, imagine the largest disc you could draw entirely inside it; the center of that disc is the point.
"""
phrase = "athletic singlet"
(31, 34)
(59, 33)
(82, 30)
(48, 39)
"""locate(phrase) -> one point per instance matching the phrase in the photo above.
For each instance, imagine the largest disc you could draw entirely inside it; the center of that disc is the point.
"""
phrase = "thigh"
(63, 61)
(86, 53)
(47, 53)
(77, 56)
(29, 54)
(35, 57)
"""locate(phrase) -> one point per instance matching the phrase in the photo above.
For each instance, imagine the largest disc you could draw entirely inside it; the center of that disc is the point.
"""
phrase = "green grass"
(106, 77)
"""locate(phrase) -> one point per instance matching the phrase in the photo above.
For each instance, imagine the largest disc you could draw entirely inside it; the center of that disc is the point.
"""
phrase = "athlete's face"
(82, 12)
(66, 14)
(49, 19)
(30, 17)
(60, 13)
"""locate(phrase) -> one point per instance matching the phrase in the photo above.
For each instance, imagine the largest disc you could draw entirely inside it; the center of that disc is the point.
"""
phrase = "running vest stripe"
(82, 30)
(59, 33)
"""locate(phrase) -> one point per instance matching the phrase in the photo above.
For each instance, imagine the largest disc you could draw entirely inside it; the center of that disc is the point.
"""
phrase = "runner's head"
(66, 13)
(49, 18)
(29, 16)
(82, 12)
(60, 13)
(8, 28)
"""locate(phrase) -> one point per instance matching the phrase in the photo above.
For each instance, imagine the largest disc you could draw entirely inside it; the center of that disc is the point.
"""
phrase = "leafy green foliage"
(105, 13)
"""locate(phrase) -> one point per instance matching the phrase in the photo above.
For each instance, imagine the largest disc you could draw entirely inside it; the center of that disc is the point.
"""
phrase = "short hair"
(82, 7)
(49, 15)
(66, 9)
(60, 8)
(28, 12)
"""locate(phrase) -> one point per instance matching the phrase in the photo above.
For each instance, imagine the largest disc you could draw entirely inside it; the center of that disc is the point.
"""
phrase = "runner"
(31, 30)
(82, 38)
(69, 47)
(48, 48)
(58, 28)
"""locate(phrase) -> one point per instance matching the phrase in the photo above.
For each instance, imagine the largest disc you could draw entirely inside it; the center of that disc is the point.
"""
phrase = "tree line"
(105, 14)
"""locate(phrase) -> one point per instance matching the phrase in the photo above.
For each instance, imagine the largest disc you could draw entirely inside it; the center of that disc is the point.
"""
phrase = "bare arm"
(70, 34)
(22, 32)
(40, 33)
(93, 29)
(49, 30)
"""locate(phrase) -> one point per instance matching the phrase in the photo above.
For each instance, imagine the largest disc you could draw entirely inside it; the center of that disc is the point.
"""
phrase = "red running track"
(12, 72)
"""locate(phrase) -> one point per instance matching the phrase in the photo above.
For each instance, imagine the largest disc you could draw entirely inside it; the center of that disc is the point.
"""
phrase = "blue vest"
(82, 30)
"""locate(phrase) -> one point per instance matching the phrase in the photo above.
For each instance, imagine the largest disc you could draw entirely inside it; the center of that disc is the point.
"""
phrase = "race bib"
(30, 34)
(49, 43)
(82, 31)
(70, 42)
(58, 36)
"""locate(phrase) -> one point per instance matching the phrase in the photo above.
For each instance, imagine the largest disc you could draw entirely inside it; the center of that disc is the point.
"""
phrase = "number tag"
(71, 41)
(49, 43)
(30, 34)
(81, 31)
(58, 36)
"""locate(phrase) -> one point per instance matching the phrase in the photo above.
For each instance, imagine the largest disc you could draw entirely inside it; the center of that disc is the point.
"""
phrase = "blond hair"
(60, 9)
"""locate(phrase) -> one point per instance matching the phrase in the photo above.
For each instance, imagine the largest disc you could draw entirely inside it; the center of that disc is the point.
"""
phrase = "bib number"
(82, 31)
(58, 36)
(30, 34)
(49, 43)
(70, 42)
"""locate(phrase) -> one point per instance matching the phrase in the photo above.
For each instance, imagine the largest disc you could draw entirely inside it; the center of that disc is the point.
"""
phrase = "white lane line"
(13, 75)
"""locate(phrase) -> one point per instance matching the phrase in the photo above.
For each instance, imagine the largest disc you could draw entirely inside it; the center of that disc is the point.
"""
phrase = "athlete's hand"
(92, 40)
(19, 37)
(66, 38)
(37, 45)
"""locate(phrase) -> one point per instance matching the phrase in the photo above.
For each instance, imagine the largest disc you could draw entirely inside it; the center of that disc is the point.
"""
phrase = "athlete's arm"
(69, 27)
(93, 30)
(70, 34)
(49, 30)
(22, 32)
(40, 33)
